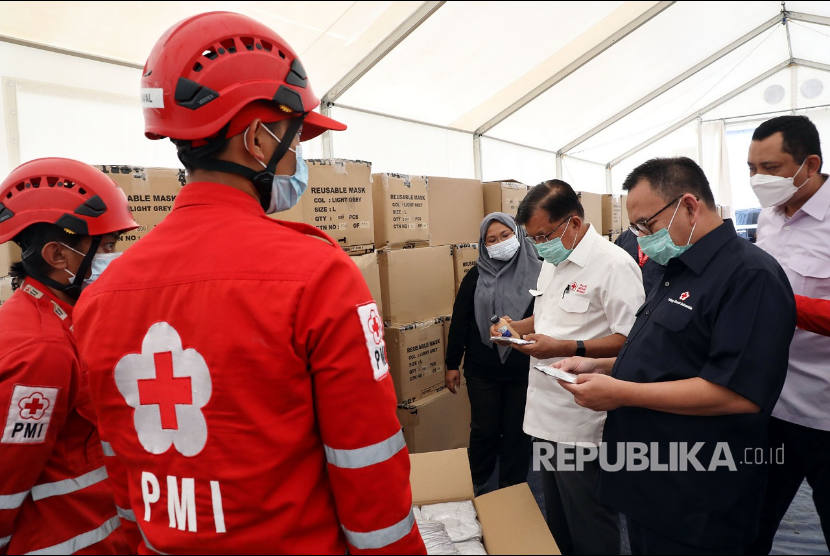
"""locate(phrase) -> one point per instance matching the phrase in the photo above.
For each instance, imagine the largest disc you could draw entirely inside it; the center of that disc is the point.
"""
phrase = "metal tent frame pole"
(607, 43)
(698, 113)
(381, 50)
(769, 24)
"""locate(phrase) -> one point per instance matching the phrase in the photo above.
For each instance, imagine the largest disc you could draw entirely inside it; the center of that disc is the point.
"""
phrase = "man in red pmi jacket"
(54, 494)
(236, 362)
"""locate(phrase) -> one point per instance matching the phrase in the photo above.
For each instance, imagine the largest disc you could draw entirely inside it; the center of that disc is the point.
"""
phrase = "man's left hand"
(596, 391)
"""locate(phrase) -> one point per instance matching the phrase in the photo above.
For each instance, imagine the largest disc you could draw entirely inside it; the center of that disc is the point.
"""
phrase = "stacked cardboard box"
(439, 421)
(504, 196)
(401, 208)
(417, 219)
(150, 193)
(9, 253)
(606, 212)
(368, 266)
(416, 358)
(416, 284)
(465, 257)
(456, 209)
(511, 522)
(5, 289)
(339, 202)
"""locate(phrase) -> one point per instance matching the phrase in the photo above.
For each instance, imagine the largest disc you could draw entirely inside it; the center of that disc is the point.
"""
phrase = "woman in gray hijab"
(508, 266)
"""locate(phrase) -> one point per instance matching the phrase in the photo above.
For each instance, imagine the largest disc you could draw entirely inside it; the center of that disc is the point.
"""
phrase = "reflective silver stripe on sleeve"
(129, 515)
(382, 537)
(59, 488)
(12, 501)
(83, 540)
(107, 447)
(369, 455)
(4, 541)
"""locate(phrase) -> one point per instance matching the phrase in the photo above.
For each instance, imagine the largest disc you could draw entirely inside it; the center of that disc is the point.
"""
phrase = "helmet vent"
(248, 42)
(197, 66)
(210, 53)
(229, 45)
(266, 45)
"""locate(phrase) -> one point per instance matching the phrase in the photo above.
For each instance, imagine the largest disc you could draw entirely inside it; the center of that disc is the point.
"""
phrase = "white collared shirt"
(801, 245)
(593, 293)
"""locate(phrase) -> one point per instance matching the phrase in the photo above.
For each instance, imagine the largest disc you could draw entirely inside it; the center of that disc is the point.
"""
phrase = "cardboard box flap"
(512, 522)
(510, 182)
(452, 484)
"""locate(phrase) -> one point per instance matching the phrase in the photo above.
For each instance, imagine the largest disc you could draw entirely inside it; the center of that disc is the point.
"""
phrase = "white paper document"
(557, 373)
(511, 340)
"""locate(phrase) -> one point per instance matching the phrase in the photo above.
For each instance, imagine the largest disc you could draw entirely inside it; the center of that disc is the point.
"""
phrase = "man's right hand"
(524, 326)
(452, 378)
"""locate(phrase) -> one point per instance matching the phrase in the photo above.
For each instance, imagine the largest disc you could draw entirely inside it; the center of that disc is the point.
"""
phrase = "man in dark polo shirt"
(698, 376)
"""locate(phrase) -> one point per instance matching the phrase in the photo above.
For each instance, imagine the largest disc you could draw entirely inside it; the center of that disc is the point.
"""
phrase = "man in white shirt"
(794, 227)
(588, 293)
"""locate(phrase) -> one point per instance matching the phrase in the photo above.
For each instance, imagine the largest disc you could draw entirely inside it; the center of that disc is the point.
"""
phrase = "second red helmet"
(205, 69)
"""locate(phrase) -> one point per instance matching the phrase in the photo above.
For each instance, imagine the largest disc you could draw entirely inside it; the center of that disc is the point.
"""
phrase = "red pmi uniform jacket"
(813, 314)
(238, 369)
(54, 492)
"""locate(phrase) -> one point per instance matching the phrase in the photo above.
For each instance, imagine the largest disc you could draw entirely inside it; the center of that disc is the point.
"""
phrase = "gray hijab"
(502, 287)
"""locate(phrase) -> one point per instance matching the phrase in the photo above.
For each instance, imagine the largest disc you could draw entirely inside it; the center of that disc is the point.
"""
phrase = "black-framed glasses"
(542, 238)
(642, 226)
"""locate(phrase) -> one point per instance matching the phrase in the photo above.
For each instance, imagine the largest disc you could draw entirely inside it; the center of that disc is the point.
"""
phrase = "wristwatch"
(580, 348)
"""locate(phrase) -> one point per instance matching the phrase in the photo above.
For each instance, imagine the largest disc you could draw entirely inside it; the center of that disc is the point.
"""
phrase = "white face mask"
(504, 250)
(774, 191)
(100, 262)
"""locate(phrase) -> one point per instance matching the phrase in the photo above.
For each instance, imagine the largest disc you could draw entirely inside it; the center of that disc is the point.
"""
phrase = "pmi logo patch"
(30, 411)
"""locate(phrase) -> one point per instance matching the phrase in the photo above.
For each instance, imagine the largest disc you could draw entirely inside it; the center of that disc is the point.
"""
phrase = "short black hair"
(31, 241)
(671, 178)
(799, 136)
(555, 197)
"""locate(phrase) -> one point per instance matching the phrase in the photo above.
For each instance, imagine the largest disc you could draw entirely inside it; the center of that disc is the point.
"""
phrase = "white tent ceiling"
(587, 80)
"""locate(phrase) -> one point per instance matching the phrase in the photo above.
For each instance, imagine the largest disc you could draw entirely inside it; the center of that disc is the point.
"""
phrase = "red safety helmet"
(70, 194)
(206, 69)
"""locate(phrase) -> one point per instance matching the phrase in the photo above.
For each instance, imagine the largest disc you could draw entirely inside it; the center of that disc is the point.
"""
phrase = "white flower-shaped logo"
(168, 386)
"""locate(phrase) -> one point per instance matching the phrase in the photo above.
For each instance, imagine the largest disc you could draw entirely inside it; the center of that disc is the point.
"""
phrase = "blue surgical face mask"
(554, 251)
(286, 190)
(659, 246)
(100, 262)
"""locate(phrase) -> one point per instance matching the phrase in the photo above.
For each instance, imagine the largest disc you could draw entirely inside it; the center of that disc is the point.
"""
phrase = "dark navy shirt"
(724, 311)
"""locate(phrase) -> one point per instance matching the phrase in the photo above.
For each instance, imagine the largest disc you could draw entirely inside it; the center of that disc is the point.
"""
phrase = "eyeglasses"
(542, 238)
(642, 226)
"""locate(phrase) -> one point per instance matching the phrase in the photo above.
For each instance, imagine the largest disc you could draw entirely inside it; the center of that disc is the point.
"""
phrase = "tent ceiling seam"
(770, 23)
(610, 41)
(386, 46)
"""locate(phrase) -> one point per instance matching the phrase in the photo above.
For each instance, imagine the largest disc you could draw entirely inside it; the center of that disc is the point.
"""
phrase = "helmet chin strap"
(73, 289)
(200, 158)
